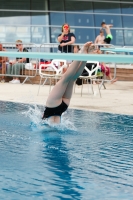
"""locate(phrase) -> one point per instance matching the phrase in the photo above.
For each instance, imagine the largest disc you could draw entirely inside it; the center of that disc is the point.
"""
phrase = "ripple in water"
(88, 156)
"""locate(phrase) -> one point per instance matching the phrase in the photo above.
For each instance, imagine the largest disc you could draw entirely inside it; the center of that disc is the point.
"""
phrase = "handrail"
(71, 12)
(58, 26)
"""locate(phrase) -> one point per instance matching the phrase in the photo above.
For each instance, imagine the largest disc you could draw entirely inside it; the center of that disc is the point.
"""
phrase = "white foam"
(35, 115)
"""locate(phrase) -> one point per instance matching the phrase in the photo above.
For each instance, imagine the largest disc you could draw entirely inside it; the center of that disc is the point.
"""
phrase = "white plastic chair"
(92, 75)
(46, 73)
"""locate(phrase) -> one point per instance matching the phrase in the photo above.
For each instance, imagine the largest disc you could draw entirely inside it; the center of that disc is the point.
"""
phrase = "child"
(100, 39)
(109, 36)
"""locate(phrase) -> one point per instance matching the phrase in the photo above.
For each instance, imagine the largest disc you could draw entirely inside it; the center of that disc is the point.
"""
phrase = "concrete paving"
(116, 98)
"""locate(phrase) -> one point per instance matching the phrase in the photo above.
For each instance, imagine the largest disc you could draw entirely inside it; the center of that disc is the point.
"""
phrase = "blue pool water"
(89, 156)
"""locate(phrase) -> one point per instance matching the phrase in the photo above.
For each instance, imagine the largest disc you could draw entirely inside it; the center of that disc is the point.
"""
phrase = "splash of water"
(65, 123)
(35, 115)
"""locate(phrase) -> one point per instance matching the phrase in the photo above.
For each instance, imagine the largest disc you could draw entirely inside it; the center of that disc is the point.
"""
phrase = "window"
(17, 24)
(104, 7)
(14, 18)
(55, 31)
(127, 8)
(80, 19)
(15, 4)
(118, 38)
(84, 34)
(56, 5)
(109, 19)
(38, 18)
(128, 37)
(79, 6)
(39, 35)
(56, 18)
(127, 21)
(39, 5)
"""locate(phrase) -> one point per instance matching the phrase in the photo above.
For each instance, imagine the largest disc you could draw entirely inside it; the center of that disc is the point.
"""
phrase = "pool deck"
(116, 98)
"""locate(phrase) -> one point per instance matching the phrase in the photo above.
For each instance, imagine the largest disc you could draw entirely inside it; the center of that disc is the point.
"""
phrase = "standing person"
(109, 36)
(100, 38)
(66, 39)
(3, 61)
(59, 98)
(18, 64)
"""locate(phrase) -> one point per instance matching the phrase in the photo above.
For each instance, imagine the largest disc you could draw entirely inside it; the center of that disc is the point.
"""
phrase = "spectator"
(106, 70)
(18, 64)
(3, 61)
(100, 38)
(66, 39)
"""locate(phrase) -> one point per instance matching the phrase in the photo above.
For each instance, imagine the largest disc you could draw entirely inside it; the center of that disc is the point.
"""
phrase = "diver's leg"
(75, 69)
(68, 93)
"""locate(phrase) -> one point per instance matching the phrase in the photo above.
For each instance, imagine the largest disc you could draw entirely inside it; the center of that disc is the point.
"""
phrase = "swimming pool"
(89, 156)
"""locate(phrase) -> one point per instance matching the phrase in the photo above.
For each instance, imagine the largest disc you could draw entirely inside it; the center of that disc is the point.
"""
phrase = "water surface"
(89, 156)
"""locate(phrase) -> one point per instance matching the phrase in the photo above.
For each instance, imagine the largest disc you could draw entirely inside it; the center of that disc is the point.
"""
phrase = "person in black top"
(18, 64)
(66, 39)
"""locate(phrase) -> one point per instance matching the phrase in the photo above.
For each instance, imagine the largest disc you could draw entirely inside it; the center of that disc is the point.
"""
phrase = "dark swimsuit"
(56, 111)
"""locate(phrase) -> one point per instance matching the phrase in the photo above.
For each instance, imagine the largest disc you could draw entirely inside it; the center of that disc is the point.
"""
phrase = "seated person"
(18, 64)
(3, 62)
(106, 71)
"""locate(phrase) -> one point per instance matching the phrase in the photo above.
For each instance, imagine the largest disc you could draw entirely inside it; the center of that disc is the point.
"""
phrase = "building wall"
(24, 19)
(40, 21)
